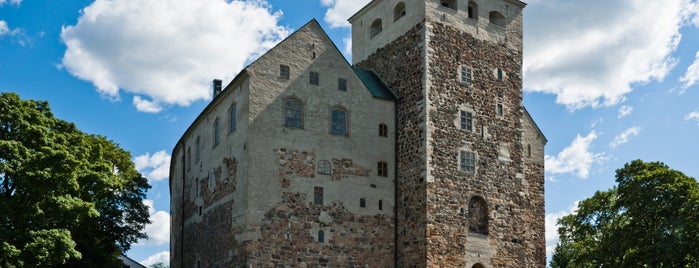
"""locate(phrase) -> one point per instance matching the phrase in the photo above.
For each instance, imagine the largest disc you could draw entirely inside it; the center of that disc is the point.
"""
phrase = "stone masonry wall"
(400, 64)
(496, 140)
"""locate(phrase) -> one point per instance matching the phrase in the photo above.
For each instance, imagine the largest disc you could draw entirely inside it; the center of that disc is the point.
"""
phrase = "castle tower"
(470, 167)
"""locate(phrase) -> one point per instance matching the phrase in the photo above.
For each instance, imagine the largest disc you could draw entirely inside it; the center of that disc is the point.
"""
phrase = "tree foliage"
(67, 199)
(650, 219)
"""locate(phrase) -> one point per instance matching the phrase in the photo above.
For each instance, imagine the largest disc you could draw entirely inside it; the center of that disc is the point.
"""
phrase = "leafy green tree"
(67, 199)
(650, 219)
(158, 265)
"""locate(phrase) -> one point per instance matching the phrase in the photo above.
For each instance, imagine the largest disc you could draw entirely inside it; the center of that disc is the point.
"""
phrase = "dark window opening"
(382, 169)
(318, 195)
(342, 84)
(314, 77)
(362, 202)
(383, 130)
(399, 11)
(283, 71)
(293, 113)
(376, 28)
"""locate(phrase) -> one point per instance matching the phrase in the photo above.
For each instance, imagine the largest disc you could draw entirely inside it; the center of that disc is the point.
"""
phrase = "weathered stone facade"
(430, 167)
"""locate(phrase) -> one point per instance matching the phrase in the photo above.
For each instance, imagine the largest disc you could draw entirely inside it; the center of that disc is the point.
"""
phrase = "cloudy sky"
(608, 81)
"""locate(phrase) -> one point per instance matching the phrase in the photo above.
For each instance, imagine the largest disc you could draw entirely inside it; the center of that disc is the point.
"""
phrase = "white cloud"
(145, 105)
(594, 58)
(625, 110)
(348, 45)
(12, 2)
(3, 28)
(160, 257)
(154, 167)
(341, 10)
(691, 77)
(552, 228)
(624, 136)
(576, 158)
(692, 116)
(167, 51)
(158, 230)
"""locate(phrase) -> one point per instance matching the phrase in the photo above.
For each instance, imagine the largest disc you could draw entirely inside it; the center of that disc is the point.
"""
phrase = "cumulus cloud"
(167, 51)
(340, 10)
(160, 257)
(592, 59)
(154, 167)
(552, 228)
(12, 2)
(625, 110)
(692, 116)
(158, 230)
(624, 136)
(5, 29)
(691, 77)
(576, 158)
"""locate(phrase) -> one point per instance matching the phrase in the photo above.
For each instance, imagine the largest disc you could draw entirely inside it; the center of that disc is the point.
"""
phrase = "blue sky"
(608, 81)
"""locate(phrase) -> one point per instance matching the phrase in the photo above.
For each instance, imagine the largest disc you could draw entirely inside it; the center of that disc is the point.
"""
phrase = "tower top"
(382, 21)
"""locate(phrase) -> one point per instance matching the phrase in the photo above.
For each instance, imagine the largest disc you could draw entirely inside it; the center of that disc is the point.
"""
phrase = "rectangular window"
(467, 121)
(467, 161)
(314, 78)
(362, 202)
(233, 115)
(499, 74)
(198, 152)
(382, 168)
(217, 132)
(342, 84)
(466, 75)
(318, 195)
(383, 130)
(380, 204)
(321, 236)
(499, 110)
(283, 71)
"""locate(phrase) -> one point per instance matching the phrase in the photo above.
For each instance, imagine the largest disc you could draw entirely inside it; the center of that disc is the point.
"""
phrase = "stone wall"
(401, 66)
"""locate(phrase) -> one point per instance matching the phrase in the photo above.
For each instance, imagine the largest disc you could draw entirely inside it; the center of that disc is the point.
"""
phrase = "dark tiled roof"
(374, 84)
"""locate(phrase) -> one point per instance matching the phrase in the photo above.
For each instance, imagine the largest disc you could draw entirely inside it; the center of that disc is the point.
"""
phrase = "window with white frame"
(467, 161)
(324, 167)
(466, 121)
(466, 75)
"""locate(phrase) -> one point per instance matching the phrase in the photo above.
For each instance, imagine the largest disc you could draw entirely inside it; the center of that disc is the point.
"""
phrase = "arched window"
(382, 169)
(472, 10)
(383, 130)
(233, 121)
(497, 18)
(376, 28)
(217, 132)
(477, 216)
(338, 122)
(293, 113)
(478, 265)
(449, 3)
(324, 167)
(399, 11)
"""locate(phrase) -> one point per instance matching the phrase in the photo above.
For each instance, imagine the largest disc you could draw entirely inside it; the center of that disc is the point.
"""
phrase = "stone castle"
(418, 154)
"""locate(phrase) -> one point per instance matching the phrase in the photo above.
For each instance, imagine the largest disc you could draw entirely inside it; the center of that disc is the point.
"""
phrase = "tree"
(158, 265)
(67, 199)
(650, 219)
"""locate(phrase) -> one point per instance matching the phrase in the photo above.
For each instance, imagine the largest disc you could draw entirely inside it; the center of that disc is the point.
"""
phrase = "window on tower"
(466, 75)
(497, 18)
(449, 4)
(466, 121)
(467, 162)
(477, 216)
(399, 11)
(375, 28)
(472, 10)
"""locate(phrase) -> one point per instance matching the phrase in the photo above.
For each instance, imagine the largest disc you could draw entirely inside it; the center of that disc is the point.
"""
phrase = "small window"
(497, 18)
(376, 28)
(342, 84)
(283, 71)
(477, 216)
(462, 211)
(234, 110)
(324, 167)
(293, 113)
(499, 110)
(362, 202)
(466, 121)
(339, 122)
(499, 74)
(449, 3)
(217, 132)
(382, 168)
(314, 78)
(472, 10)
(189, 158)
(466, 75)
(399, 11)
(199, 210)
(467, 161)
(380, 204)
(321, 236)
(198, 148)
(529, 150)
(318, 195)
(383, 130)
